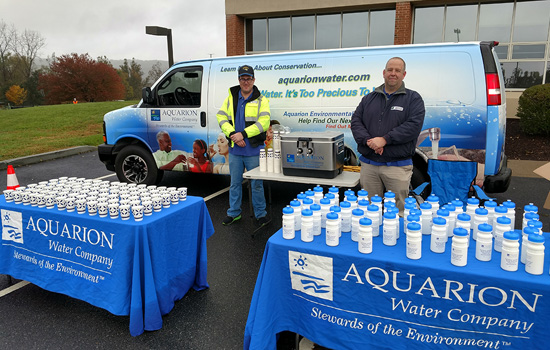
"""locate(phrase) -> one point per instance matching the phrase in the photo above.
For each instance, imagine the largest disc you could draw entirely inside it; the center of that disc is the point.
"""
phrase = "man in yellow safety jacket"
(244, 119)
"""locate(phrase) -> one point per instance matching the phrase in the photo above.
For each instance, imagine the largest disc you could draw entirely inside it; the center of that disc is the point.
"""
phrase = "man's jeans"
(237, 164)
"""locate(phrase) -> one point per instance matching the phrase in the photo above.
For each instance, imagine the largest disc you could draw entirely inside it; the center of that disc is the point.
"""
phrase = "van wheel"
(135, 164)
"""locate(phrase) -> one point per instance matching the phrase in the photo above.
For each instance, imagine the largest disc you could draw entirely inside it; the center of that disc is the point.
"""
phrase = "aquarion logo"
(306, 157)
(311, 274)
(12, 226)
(155, 115)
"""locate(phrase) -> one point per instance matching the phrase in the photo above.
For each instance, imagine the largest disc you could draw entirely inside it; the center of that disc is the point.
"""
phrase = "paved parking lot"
(32, 318)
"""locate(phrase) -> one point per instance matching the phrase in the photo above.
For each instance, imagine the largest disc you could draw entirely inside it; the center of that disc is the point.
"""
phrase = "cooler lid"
(313, 136)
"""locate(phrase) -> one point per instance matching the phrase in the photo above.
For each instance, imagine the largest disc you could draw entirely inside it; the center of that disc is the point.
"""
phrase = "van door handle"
(203, 119)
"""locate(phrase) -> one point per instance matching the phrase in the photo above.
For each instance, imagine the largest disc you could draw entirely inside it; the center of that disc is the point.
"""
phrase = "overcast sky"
(116, 28)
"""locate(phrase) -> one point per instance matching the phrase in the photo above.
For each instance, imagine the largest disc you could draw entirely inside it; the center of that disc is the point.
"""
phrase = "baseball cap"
(246, 70)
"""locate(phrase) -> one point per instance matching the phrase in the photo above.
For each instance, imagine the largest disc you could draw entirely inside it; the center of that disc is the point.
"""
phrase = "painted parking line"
(13, 288)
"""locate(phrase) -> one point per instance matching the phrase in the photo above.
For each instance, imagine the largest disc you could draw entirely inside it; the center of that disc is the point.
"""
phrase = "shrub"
(534, 110)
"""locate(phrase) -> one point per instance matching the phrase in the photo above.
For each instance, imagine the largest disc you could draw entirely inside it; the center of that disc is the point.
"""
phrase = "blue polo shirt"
(239, 126)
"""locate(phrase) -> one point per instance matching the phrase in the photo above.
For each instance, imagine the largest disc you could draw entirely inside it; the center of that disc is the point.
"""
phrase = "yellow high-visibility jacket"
(257, 116)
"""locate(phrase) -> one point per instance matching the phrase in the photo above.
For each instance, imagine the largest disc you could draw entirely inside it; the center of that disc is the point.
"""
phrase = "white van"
(461, 84)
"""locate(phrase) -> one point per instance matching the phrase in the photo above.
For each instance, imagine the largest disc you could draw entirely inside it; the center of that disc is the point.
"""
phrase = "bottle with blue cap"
(459, 205)
(452, 218)
(306, 203)
(335, 191)
(490, 205)
(529, 216)
(288, 223)
(464, 221)
(410, 200)
(325, 209)
(389, 196)
(363, 204)
(318, 194)
(439, 235)
(362, 194)
(333, 198)
(389, 231)
(332, 235)
(534, 262)
(413, 218)
(537, 225)
(336, 209)
(509, 259)
(414, 240)
(525, 242)
(426, 218)
(345, 207)
(444, 213)
(377, 200)
(459, 247)
(434, 201)
(480, 217)
(511, 206)
(502, 226)
(407, 211)
(373, 214)
(307, 226)
(364, 239)
(301, 196)
(484, 242)
(356, 216)
(353, 200)
(471, 205)
(347, 193)
(499, 211)
(316, 209)
(297, 207)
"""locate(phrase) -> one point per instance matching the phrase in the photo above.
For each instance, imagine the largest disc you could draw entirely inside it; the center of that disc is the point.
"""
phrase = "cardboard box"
(544, 171)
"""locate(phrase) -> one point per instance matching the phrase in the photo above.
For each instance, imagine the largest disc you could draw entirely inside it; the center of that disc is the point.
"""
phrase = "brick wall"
(234, 28)
(403, 23)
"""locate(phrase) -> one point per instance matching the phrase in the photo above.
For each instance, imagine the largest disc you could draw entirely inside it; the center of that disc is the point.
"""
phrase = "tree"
(26, 49)
(132, 75)
(80, 76)
(16, 94)
(154, 74)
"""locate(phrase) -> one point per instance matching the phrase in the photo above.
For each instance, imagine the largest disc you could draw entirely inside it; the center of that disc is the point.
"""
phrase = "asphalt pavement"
(215, 318)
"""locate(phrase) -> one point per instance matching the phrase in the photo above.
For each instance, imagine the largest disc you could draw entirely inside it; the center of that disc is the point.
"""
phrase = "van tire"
(135, 164)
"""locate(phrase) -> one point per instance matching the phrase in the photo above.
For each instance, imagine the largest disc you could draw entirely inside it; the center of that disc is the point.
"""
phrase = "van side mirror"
(147, 95)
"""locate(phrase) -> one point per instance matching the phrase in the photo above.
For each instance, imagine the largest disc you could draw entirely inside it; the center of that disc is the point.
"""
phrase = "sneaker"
(263, 221)
(229, 220)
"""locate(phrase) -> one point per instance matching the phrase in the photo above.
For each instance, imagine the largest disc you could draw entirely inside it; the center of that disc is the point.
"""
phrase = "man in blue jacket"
(385, 126)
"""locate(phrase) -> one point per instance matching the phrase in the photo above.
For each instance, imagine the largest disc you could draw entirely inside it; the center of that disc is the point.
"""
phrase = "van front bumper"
(107, 156)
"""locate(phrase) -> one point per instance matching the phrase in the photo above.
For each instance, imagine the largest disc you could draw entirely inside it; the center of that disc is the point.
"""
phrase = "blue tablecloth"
(343, 299)
(126, 267)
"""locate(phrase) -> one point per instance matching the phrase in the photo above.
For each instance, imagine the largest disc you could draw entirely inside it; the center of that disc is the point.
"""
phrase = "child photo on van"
(269, 134)
(200, 162)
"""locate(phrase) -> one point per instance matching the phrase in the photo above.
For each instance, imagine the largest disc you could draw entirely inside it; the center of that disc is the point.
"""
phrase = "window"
(303, 29)
(428, 25)
(259, 34)
(183, 88)
(531, 21)
(460, 23)
(522, 74)
(355, 28)
(279, 34)
(495, 22)
(382, 24)
(328, 32)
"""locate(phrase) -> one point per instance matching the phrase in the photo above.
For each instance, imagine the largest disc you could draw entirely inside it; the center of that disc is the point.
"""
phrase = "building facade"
(520, 27)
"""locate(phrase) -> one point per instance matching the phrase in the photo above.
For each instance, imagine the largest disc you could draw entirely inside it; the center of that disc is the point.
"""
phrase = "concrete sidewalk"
(520, 168)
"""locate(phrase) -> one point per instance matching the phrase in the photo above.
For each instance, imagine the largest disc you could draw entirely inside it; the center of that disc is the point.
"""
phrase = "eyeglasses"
(246, 80)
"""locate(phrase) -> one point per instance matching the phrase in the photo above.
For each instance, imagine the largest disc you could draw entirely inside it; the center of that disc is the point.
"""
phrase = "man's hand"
(377, 144)
(236, 137)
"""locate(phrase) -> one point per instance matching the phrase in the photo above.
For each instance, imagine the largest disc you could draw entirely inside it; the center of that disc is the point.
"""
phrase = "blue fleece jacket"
(398, 119)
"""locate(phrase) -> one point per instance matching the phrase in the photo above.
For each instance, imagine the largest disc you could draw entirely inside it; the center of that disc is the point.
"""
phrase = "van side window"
(183, 88)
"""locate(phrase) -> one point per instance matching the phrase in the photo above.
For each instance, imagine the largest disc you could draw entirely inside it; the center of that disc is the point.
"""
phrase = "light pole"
(457, 31)
(153, 30)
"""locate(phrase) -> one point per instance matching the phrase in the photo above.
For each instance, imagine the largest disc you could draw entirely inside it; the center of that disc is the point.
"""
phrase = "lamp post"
(457, 31)
(153, 30)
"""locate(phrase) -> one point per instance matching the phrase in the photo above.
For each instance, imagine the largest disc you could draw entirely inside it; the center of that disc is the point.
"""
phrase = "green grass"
(33, 130)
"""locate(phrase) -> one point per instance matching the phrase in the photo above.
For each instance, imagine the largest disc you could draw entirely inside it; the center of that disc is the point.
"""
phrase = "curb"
(42, 157)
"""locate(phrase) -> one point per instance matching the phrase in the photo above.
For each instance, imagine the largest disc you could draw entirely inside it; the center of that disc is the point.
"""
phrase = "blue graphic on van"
(290, 158)
(155, 115)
